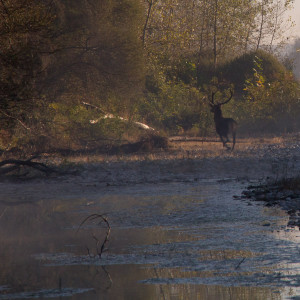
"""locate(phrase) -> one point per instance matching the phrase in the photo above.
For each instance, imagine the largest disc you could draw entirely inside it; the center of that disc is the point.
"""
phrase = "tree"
(98, 54)
(54, 55)
(293, 57)
(272, 23)
(25, 27)
(150, 4)
(221, 29)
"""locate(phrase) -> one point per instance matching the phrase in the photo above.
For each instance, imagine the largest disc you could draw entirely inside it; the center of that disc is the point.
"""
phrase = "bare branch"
(11, 117)
(104, 219)
(93, 106)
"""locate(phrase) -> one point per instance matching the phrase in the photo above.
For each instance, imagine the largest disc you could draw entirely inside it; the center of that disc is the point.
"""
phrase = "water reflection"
(168, 241)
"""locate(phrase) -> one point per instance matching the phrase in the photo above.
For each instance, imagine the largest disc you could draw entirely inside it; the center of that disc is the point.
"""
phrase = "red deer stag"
(224, 126)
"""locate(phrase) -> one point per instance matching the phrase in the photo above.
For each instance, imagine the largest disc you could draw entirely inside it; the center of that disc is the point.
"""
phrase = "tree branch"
(14, 118)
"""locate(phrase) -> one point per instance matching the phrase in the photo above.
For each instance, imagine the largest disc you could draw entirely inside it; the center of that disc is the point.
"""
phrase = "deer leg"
(222, 140)
(233, 140)
(225, 142)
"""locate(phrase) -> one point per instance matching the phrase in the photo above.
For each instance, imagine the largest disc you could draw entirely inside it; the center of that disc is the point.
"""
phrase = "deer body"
(224, 126)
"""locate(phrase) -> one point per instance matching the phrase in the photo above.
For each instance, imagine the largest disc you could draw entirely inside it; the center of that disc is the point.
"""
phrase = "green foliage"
(265, 96)
(240, 69)
(176, 108)
(66, 53)
(76, 127)
(255, 84)
(183, 71)
(154, 67)
(101, 55)
(270, 108)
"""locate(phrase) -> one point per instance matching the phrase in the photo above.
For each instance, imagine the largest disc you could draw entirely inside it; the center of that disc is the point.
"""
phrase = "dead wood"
(111, 116)
(103, 218)
(9, 166)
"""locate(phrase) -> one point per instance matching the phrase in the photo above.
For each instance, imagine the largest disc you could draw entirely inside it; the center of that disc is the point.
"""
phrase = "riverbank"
(185, 160)
(254, 161)
(283, 193)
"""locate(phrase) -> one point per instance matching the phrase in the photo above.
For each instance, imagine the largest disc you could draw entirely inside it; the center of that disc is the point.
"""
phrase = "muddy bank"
(253, 162)
(278, 193)
(192, 160)
(186, 161)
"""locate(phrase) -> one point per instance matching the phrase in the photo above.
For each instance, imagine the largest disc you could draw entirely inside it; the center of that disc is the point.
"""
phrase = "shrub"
(177, 108)
(241, 68)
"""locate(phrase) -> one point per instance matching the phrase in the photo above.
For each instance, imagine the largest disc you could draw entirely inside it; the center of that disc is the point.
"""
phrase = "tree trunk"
(215, 33)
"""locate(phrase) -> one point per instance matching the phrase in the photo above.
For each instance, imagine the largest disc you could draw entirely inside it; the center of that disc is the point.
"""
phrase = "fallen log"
(111, 116)
(12, 165)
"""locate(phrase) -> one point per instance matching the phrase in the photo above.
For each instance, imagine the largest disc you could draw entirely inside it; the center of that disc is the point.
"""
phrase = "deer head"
(212, 101)
(216, 107)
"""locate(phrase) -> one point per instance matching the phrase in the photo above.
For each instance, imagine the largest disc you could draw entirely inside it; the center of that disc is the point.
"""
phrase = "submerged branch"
(102, 218)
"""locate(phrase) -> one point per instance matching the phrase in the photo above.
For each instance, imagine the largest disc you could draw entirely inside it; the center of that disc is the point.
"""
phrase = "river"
(173, 240)
(174, 228)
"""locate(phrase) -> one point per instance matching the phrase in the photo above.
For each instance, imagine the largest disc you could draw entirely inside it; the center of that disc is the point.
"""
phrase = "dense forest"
(77, 74)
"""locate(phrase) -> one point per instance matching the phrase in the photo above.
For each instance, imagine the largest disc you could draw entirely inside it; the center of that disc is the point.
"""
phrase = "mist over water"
(168, 240)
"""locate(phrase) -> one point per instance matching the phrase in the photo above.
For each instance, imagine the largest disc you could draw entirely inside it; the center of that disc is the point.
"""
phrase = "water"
(176, 240)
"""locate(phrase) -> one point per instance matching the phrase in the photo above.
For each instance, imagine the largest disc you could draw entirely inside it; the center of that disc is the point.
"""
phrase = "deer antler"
(212, 101)
(226, 101)
(212, 98)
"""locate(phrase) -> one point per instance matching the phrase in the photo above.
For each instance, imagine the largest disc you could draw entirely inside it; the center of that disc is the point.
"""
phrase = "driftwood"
(14, 165)
(111, 116)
